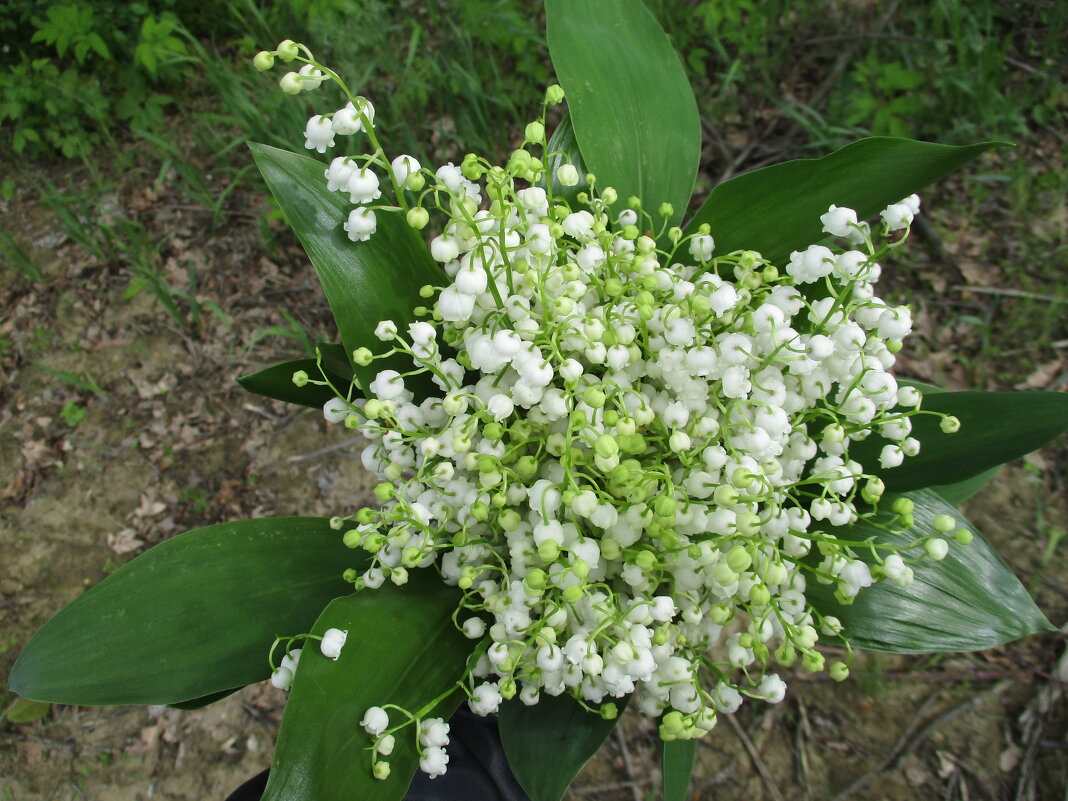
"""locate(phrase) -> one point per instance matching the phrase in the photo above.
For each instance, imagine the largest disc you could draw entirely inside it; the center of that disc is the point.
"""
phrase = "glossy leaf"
(277, 381)
(958, 493)
(204, 700)
(364, 282)
(676, 767)
(402, 649)
(968, 601)
(634, 112)
(548, 743)
(193, 616)
(777, 209)
(563, 148)
(996, 427)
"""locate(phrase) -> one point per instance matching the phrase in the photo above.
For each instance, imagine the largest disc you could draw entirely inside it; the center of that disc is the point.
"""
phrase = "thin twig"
(337, 446)
(758, 763)
(628, 766)
(1011, 293)
(892, 755)
(915, 734)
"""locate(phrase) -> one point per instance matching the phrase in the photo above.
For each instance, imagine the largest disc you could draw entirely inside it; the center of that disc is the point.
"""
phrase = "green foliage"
(402, 647)
(548, 743)
(629, 100)
(194, 616)
(72, 413)
(968, 601)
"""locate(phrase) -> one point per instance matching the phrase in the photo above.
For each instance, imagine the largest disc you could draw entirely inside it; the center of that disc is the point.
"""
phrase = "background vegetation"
(143, 266)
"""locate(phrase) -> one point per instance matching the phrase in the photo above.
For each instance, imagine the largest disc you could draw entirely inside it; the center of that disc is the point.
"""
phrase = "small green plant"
(15, 257)
(72, 413)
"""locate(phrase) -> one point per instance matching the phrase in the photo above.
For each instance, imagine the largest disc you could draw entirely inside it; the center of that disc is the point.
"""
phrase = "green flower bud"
(554, 94)
(384, 491)
(287, 50)
(903, 506)
(535, 579)
(944, 523)
(291, 83)
(548, 551)
(606, 446)
(417, 217)
(567, 175)
(263, 61)
(573, 594)
(666, 210)
(381, 770)
(609, 195)
(581, 569)
(535, 132)
(646, 560)
(963, 536)
(300, 378)
(759, 595)
(593, 397)
(362, 356)
(352, 538)
(785, 655)
(725, 495)
(838, 671)
(738, 559)
(609, 711)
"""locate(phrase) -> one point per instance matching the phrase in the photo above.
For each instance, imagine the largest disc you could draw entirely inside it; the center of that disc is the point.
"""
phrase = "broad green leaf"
(364, 282)
(193, 616)
(676, 767)
(277, 381)
(562, 148)
(634, 112)
(958, 493)
(777, 209)
(403, 649)
(548, 743)
(204, 700)
(968, 601)
(996, 427)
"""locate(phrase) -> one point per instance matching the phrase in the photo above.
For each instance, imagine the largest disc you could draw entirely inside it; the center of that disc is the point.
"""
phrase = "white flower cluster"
(628, 451)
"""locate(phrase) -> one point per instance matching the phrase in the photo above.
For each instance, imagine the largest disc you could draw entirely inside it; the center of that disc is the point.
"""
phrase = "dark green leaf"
(548, 743)
(630, 102)
(996, 427)
(676, 767)
(968, 601)
(364, 282)
(563, 144)
(193, 616)
(402, 649)
(204, 700)
(956, 494)
(277, 381)
(777, 209)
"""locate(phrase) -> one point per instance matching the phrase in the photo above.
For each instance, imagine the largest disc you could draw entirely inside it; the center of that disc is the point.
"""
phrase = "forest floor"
(121, 425)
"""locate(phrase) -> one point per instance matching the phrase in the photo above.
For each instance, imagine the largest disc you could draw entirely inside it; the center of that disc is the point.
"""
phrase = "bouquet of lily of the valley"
(626, 454)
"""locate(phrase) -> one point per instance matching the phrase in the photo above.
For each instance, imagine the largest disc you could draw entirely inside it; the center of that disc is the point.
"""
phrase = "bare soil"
(170, 443)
